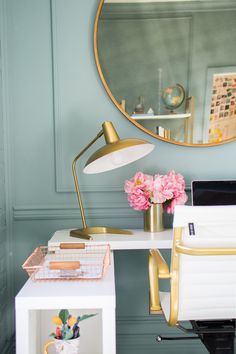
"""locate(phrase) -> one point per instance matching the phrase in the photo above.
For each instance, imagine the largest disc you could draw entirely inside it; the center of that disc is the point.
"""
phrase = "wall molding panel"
(56, 100)
(120, 211)
(65, 137)
(6, 278)
(65, 71)
(97, 210)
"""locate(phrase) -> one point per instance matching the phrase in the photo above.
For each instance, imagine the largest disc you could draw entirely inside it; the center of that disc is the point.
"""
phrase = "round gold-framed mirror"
(169, 66)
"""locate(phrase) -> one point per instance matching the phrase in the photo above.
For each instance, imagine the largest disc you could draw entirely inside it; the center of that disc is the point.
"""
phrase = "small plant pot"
(62, 346)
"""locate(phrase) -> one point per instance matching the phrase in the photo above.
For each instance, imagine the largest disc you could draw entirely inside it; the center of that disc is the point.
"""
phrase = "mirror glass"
(170, 66)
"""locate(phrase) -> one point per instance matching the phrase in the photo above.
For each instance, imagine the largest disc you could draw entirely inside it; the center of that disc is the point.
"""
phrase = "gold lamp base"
(85, 232)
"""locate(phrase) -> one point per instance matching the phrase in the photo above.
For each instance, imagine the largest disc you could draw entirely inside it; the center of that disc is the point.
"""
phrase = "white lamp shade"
(116, 155)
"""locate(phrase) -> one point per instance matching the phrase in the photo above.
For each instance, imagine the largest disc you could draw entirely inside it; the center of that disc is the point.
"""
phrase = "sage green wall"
(55, 103)
(3, 233)
(5, 253)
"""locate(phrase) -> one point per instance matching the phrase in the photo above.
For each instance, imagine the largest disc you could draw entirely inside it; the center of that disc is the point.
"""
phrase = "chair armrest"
(158, 268)
(205, 251)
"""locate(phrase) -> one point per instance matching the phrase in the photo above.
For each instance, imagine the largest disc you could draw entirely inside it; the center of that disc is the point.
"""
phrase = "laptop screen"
(214, 192)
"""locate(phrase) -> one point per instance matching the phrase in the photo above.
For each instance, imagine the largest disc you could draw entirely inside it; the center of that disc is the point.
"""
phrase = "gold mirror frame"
(96, 55)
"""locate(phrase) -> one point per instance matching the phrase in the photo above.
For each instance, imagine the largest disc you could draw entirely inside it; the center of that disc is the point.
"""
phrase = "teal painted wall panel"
(4, 298)
(4, 301)
(43, 143)
(34, 137)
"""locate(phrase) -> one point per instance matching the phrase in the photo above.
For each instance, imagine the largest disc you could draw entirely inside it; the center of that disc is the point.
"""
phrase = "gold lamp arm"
(97, 163)
(76, 177)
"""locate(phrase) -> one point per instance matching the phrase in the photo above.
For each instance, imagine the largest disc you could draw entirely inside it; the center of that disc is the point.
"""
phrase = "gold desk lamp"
(116, 153)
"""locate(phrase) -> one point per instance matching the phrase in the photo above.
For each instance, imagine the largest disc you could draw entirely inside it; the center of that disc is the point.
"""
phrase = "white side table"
(36, 296)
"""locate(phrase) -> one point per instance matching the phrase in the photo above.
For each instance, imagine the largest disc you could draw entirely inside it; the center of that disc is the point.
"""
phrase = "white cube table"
(34, 296)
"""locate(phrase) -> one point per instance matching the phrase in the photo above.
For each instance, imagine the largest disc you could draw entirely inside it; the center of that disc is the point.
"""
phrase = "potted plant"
(67, 332)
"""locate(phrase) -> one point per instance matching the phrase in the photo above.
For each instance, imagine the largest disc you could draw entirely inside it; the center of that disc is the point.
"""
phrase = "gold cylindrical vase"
(153, 218)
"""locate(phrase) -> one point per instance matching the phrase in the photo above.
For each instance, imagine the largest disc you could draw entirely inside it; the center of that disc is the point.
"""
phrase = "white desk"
(138, 240)
(81, 294)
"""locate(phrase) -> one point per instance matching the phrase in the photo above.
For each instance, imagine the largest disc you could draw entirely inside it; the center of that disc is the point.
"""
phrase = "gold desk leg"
(155, 307)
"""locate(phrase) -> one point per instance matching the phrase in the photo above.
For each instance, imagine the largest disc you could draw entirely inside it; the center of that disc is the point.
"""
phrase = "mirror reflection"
(171, 67)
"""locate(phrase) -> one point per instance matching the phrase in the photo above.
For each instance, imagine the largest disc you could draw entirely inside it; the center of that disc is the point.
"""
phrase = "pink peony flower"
(162, 190)
(139, 181)
(181, 199)
(129, 186)
(139, 200)
(144, 190)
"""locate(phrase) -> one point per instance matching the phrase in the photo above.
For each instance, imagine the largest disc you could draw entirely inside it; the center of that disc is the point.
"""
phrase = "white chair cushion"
(165, 304)
(207, 284)
(204, 215)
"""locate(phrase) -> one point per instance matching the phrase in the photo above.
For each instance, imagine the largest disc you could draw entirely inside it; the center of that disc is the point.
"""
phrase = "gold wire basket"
(68, 261)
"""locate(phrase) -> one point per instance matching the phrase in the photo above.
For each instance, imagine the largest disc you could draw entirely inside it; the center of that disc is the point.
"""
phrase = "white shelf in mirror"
(160, 116)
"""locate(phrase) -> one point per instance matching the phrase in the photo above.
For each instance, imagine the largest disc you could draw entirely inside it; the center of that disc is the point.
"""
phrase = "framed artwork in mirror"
(152, 58)
(220, 106)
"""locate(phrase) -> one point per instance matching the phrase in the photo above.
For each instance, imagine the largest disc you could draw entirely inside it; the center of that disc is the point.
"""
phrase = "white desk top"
(138, 240)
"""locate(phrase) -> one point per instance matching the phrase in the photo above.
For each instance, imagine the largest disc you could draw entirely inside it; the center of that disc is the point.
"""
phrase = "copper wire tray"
(68, 261)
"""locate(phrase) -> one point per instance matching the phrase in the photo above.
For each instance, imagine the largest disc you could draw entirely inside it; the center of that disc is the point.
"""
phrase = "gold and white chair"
(202, 276)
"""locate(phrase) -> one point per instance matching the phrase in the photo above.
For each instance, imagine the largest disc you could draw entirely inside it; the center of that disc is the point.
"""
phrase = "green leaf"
(63, 331)
(85, 317)
(52, 335)
(69, 334)
(64, 314)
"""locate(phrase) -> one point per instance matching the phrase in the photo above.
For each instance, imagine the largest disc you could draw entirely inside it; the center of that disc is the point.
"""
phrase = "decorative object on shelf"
(116, 153)
(123, 105)
(155, 194)
(139, 108)
(173, 96)
(67, 333)
(150, 112)
(164, 133)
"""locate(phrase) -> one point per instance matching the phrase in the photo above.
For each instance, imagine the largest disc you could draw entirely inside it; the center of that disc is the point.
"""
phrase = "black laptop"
(214, 192)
